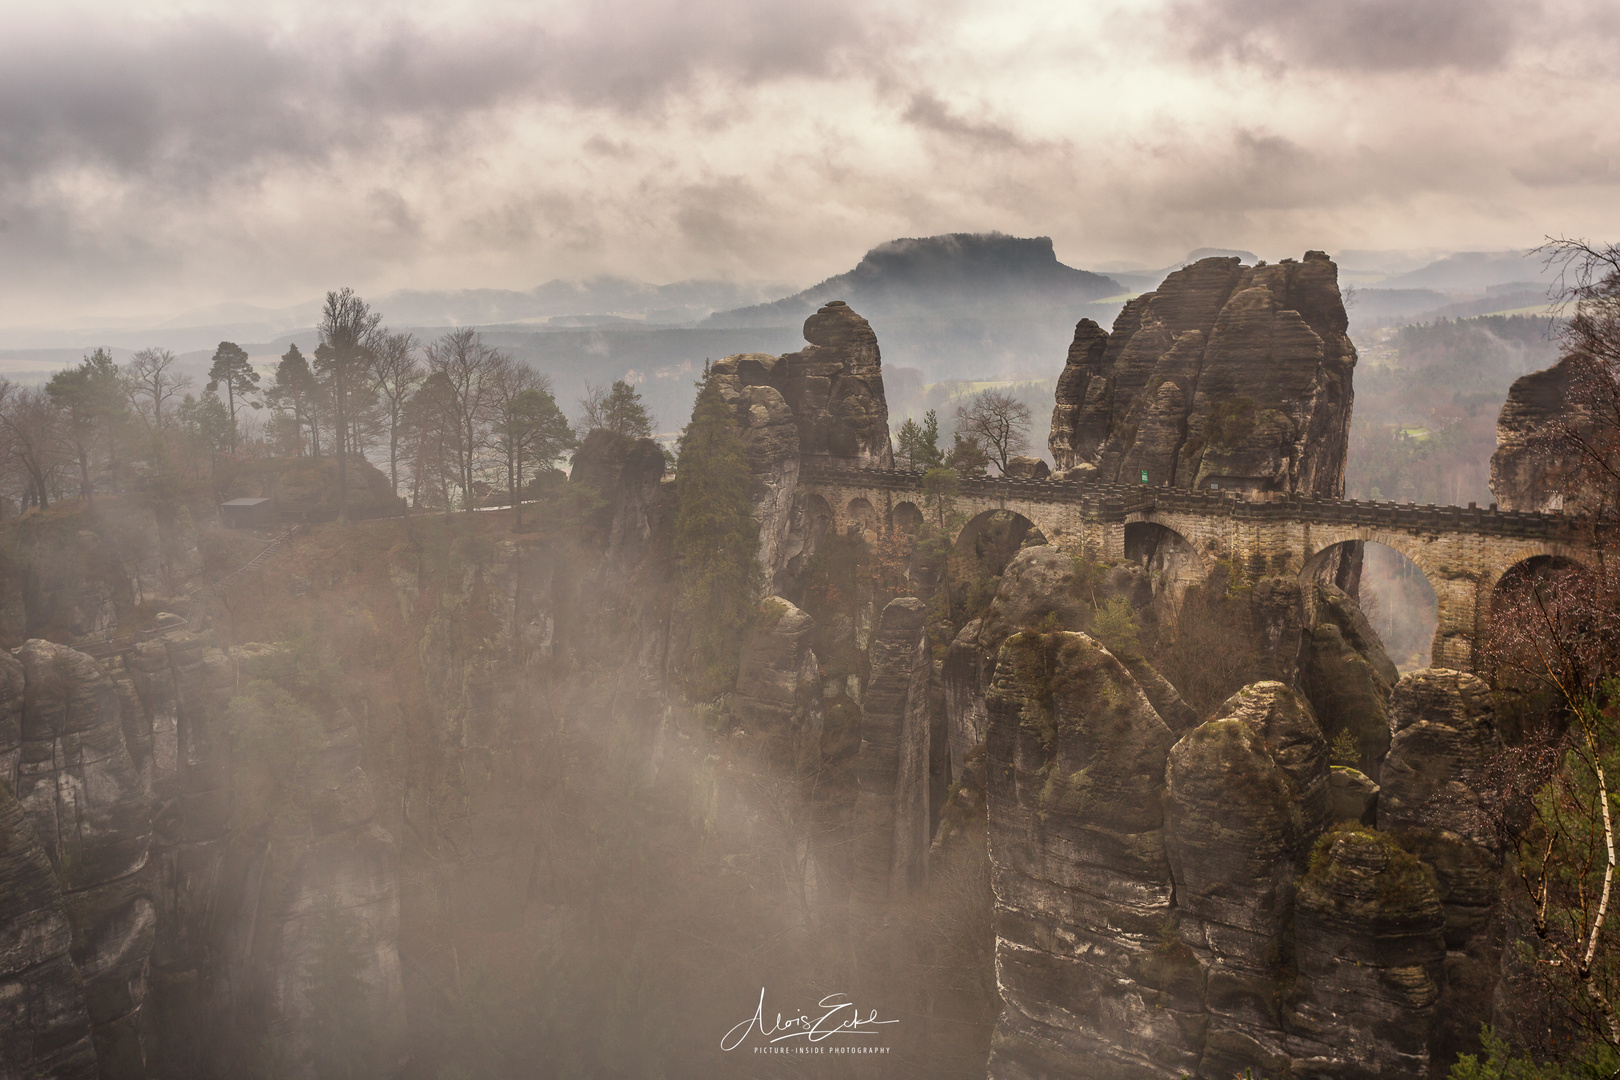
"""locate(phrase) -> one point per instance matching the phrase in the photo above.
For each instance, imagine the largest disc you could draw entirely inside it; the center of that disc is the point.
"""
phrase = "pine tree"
(716, 542)
(618, 409)
(90, 398)
(919, 443)
(233, 370)
(295, 389)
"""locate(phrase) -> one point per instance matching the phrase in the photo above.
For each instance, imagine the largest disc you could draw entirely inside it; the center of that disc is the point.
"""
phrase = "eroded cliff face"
(43, 1012)
(1538, 463)
(1075, 759)
(1199, 905)
(125, 782)
(822, 404)
(1225, 375)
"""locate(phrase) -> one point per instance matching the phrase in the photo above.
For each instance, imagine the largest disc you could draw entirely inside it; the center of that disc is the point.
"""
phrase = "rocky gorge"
(437, 783)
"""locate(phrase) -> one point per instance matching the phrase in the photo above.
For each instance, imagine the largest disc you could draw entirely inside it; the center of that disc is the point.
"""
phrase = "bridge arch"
(1395, 593)
(861, 516)
(1538, 608)
(906, 517)
(993, 537)
(1173, 562)
(1531, 567)
(1534, 559)
(1324, 544)
(1545, 568)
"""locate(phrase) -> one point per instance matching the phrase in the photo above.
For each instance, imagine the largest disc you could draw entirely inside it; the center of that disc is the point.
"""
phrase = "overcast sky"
(156, 157)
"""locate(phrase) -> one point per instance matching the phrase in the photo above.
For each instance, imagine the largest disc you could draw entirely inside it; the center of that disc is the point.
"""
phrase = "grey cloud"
(393, 212)
(1356, 35)
(1567, 164)
(927, 111)
(205, 99)
(602, 146)
(724, 215)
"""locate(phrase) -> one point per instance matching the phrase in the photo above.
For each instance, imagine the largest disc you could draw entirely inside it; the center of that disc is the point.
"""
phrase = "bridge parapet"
(1108, 501)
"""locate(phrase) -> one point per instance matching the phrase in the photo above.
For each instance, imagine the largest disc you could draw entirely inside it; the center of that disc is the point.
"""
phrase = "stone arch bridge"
(1463, 551)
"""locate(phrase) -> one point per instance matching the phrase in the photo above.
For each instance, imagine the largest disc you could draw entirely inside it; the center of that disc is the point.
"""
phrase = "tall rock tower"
(1226, 376)
(822, 404)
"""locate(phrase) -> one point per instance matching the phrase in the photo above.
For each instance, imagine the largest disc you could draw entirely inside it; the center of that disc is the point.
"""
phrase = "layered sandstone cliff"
(1539, 463)
(1170, 907)
(823, 404)
(1224, 376)
(121, 829)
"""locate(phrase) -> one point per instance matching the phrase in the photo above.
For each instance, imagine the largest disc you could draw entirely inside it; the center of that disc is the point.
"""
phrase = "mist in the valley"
(519, 551)
(495, 820)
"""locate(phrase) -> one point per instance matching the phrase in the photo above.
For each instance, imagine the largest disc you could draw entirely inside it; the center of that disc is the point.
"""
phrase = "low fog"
(652, 540)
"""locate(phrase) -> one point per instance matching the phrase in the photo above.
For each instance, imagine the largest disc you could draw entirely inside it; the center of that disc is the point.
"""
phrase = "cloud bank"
(159, 158)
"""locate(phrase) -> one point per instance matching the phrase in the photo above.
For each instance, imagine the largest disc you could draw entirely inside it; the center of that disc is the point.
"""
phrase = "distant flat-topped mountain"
(959, 273)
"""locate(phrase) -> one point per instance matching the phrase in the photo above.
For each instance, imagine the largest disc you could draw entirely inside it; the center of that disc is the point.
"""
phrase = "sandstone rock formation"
(1075, 760)
(892, 827)
(1444, 740)
(1293, 739)
(1024, 467)
(331, 894)
(1039, 587)
(1235, 831)
(1185, 909)
(42, 1011)
(778, 692)
(965, 678)
(89, 802)
(1536, 466)
(1345, 672)
(131, 910)
(833, 387)
(1354, 796)
(1226, 375)
(1370, 957)
(771, 437)
(823, 404)
(67, 584)
(177, 686)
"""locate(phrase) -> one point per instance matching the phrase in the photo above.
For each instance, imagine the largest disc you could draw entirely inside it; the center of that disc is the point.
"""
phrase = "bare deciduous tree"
(617, 408)
(999, 421)
(397, 373)
(152, 383)
(467, 369)
(1553, 651)
(31, 439)
(1553, 647)
(1585, 435)
(348, 327)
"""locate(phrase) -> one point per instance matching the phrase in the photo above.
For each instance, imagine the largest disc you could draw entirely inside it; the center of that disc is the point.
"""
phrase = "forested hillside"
(1427, 396)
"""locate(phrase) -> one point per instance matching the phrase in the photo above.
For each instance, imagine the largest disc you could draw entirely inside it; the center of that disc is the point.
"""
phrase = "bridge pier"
(1457, 630)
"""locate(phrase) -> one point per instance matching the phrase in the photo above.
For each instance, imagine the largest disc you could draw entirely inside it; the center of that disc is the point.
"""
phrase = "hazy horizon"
(165, 157)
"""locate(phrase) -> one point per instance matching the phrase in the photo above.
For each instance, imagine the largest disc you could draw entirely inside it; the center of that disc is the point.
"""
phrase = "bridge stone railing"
(1106, 501)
